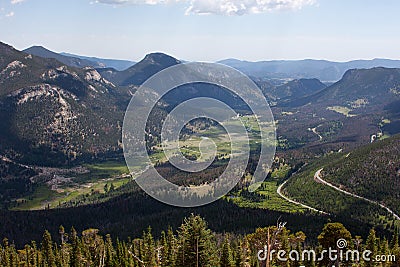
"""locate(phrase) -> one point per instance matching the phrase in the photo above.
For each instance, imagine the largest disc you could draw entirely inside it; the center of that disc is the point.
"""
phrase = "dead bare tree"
(136, 257)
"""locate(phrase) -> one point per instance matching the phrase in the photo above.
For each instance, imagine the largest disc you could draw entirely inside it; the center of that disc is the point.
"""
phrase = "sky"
(207, 30)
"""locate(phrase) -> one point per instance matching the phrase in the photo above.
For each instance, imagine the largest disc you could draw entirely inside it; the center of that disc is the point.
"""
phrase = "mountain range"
(78, 111)
(117, 64)
(72, 60)
(364, 102)
(323, 70)
(292, 89)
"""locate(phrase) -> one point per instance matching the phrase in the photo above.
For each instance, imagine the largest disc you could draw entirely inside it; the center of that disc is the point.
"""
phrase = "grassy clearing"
(94, 181)
(342, 110)
(38, 200)
(189, 146)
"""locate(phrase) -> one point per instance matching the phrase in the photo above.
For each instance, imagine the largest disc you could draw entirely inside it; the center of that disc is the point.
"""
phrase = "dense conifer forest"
(194, 244)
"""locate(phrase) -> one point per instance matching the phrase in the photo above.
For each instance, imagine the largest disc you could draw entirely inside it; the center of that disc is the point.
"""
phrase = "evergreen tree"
(109, 252)
(243, 253)
(372, 245)
(285, 245)
(196, 245)
(28, 255)
(14, 259)
(93, 247)
(394, 244)
(47, 250)
(149, 249)
(62, 255)
(384, 249)
(75, 259)
(163, 245)
(331, 233)
(5, 256)
(170, 248)
(395, 248)
(226, 259)
(36, 254)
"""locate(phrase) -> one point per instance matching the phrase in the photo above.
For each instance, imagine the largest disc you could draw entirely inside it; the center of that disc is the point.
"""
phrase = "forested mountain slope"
(53, 114)
(371, 171)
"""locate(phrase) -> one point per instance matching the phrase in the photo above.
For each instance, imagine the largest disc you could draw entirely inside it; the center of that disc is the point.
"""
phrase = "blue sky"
(207, 30)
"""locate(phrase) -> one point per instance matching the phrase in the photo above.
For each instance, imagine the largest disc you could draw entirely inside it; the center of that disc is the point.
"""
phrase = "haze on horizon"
(202, 30)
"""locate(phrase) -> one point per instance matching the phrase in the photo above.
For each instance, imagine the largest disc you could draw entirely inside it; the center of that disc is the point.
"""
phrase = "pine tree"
(285, 245)
(243, 253)
(35, 255)
(75, 259)
(47, 250)
(62, 255)
(149, 256)
(112, 188)
(372, 245)
(384, 249)
(14, 259)
(170, 248)
(196, 245)
(109, 252)
(331, 233)
(93, 247)
(226, 259)
(5, 255)
(28, 255)
(163, 252)
(394, 246)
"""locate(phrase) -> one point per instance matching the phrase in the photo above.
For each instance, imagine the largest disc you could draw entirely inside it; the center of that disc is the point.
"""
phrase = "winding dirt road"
(317, 178)
(279, 191)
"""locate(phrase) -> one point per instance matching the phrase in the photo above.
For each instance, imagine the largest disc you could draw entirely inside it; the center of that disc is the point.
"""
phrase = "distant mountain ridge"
(117, 64)
(141, 71)
(298, 88)
(40, 51)
(308, 68)
(376, 86)
(323, 70)
(77, 61)
(364, 102)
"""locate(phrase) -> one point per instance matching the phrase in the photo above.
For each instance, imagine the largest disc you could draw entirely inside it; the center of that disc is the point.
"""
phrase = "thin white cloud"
(224, 7)
(10, 14)
(137, 2)
(16, 1)
(238, 7)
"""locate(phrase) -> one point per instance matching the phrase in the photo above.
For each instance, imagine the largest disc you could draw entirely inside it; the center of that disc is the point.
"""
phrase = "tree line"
(193, 244)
